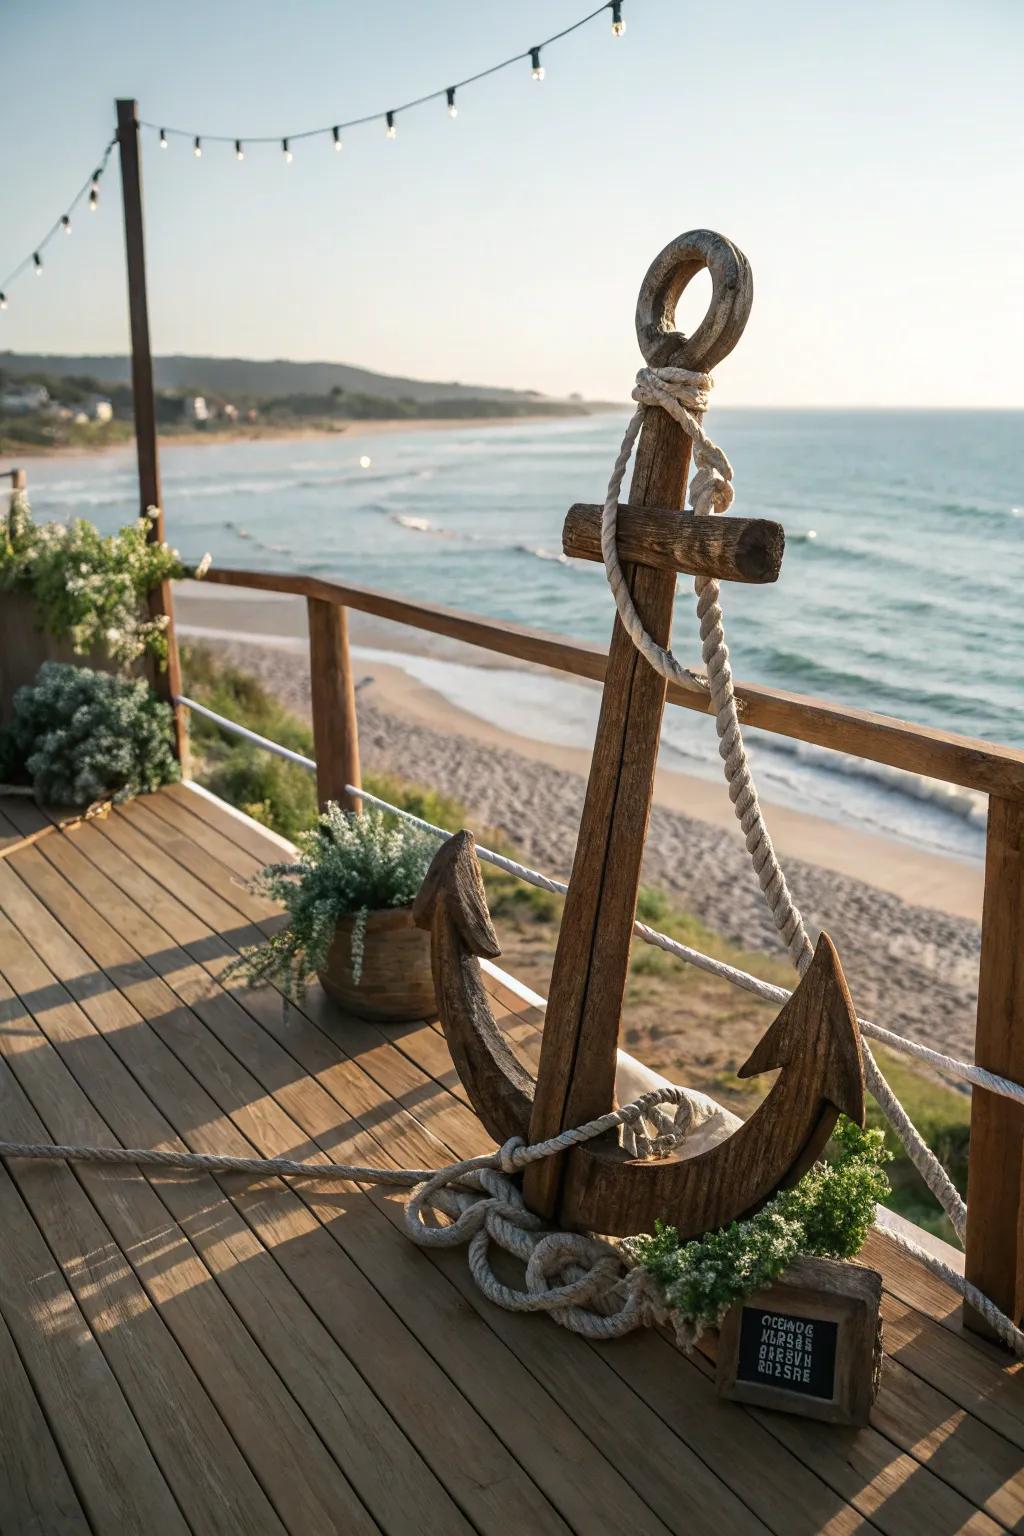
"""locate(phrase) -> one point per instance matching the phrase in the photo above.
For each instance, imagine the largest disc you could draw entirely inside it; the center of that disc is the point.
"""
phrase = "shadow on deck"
(187, 1353)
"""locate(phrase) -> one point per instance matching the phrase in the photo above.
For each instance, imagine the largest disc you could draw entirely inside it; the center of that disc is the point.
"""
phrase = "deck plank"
(37, 1497)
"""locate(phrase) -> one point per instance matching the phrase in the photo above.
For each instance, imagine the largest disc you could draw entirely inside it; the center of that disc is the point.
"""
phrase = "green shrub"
(89, 588)
(348, 866)
(827, 1215)
(82, 736)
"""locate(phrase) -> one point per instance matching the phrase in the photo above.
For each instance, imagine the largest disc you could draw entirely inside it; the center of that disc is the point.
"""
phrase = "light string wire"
(90, 189)
(387, 115)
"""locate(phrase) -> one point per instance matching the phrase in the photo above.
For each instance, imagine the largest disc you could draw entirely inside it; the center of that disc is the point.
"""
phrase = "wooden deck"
(182, 1353)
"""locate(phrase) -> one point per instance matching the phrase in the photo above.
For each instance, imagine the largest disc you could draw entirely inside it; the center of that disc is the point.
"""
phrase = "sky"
(867, 158)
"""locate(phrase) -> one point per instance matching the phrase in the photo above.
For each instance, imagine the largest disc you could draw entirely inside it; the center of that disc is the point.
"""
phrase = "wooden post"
(332, 689)
(995, 1241)
(161, 602)
(19, 480)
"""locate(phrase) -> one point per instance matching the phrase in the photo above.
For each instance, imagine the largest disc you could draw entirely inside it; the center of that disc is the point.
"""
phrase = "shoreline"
(374, 427)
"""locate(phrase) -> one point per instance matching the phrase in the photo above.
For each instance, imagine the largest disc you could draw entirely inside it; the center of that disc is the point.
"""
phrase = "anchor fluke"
(454, 881)
(817, 1024)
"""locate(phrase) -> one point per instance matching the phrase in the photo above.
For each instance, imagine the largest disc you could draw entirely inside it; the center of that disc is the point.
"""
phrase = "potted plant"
(349, 903)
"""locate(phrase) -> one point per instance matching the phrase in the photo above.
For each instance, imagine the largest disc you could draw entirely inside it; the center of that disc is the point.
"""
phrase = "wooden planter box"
(25, 645)
(396, 985)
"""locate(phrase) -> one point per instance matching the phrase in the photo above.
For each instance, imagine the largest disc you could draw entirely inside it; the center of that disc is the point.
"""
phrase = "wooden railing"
(995, 1246)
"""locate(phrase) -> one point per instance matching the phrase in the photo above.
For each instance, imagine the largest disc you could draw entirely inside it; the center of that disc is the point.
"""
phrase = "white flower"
(204, 565)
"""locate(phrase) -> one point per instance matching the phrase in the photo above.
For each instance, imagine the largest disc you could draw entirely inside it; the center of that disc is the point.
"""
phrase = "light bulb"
(163, 138)
(453, 110)
(536, 67)
(94, 197)
(3, 301)
(197, 148)
(391, 132)
(618, 25)
(38, 263)
(337, 138)
(239, 151)
(65, 223)
(288, 156)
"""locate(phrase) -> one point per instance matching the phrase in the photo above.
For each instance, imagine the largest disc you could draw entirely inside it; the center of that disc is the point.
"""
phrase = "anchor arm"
(452, 905)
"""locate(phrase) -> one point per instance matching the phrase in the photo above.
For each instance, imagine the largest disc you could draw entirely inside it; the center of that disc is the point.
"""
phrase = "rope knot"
(509, 1156)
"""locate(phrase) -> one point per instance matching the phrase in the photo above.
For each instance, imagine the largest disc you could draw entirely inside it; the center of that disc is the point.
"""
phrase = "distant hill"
(227, 376)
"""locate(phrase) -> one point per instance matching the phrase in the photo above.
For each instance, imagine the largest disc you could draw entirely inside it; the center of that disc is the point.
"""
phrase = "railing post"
(995, 1241)
(19, 480)
(161, 604)
(333, 694)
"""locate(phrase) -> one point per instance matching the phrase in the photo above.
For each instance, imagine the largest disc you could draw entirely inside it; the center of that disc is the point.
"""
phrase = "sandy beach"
(906, 921)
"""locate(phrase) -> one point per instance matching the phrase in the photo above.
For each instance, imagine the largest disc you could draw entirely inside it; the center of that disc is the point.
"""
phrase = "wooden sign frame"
(810, 1344)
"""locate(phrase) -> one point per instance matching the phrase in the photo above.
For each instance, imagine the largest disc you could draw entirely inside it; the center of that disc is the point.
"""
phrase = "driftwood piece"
(577, 1069)
(809, 1344)
(745, 549)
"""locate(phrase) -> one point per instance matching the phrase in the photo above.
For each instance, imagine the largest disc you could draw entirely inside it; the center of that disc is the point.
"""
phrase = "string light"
(288, 156)
(88, 191)
(446, 93)
(91, 191)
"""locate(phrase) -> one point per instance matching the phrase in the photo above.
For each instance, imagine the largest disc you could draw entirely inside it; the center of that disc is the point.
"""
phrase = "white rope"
(587, 1284)
(952, 1066)
(681, 392)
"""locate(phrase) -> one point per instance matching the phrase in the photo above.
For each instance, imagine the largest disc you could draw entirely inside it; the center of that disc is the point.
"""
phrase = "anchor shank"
(576, 1080)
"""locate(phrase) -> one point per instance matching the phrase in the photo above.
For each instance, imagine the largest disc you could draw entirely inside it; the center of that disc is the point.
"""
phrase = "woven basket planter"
(396, 985)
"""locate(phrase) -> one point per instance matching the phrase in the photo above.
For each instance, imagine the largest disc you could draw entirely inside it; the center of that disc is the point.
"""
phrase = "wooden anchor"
(814, 1040)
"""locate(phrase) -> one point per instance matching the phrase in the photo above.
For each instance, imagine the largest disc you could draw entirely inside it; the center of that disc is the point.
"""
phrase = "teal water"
(900, 589)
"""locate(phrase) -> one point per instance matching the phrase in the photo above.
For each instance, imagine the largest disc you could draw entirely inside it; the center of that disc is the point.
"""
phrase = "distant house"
(99, 410)
(23, 399)
(196, 408)
(229, 412)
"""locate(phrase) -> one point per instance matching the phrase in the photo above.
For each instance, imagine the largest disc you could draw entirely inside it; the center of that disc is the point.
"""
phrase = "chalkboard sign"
(810, 1344)
(780, 1349)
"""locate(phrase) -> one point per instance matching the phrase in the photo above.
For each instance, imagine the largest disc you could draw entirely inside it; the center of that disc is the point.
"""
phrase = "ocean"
(900, 589)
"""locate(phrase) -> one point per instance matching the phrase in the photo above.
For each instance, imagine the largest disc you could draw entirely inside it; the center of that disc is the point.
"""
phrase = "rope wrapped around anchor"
(585, 1284)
